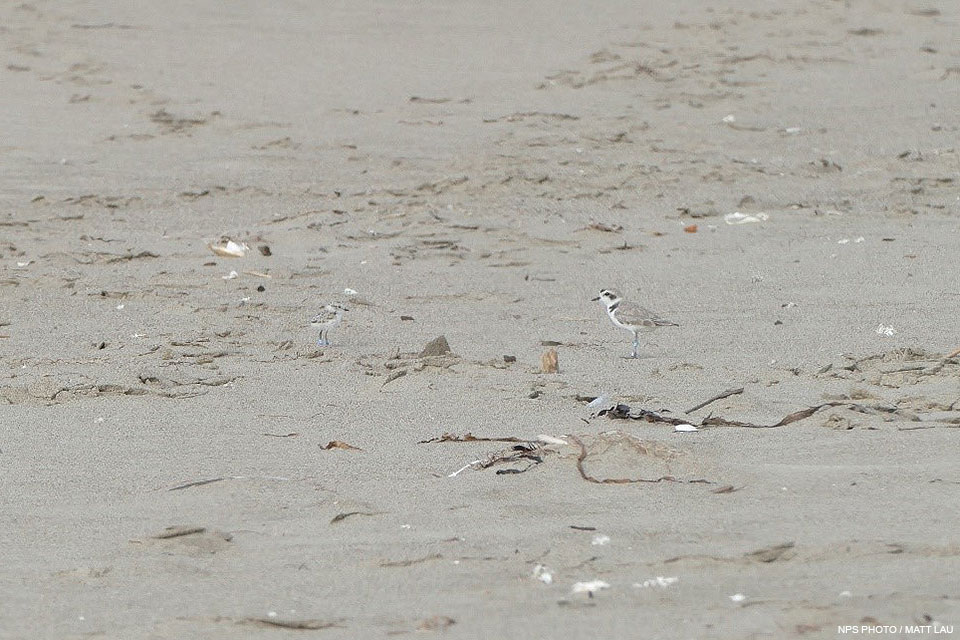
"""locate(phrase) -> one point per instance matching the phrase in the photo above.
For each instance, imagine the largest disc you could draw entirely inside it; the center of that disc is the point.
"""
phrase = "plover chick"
(327, 319)
(631, 317)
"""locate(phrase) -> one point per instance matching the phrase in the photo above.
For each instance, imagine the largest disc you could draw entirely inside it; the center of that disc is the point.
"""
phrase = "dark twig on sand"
(300, 625)
(720, 396)
(343, 516)
(178, 532)
(198, 483)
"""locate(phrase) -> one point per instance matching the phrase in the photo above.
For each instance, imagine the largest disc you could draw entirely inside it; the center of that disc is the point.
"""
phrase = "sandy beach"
(180, 460)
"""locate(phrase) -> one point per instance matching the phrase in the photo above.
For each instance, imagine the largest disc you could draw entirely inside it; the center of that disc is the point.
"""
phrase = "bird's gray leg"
(322, 342)
(636, 345)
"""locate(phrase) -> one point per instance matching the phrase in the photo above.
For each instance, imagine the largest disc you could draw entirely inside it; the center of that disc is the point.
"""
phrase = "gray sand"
(485, 172)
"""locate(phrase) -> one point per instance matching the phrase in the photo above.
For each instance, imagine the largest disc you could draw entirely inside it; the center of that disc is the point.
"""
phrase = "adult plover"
(631, 317)
(327, 319)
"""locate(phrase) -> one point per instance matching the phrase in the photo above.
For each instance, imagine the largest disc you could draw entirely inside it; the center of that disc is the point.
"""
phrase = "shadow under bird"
(631, 317)
(328, 318)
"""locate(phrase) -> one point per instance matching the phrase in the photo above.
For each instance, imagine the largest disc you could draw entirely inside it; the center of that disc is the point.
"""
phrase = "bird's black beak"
(594, 299)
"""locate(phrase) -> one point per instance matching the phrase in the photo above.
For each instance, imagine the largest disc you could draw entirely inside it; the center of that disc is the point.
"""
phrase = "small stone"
(509, 358)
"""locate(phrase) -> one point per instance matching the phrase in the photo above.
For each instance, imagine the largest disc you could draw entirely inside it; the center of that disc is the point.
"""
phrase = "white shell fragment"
(743, 218)
(738, 597)
(599, 540)
(589, 587)
(545, 439)
(599, 401)
(542, 574)
(230, 276)
(685, 428)
(229, 249)
(883, 330)
(349, 292)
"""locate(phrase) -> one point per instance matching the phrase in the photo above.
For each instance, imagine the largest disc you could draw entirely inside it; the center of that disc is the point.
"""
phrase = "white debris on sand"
(659, 581)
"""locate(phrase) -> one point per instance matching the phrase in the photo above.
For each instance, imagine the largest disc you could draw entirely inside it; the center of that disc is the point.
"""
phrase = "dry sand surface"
(480, 173)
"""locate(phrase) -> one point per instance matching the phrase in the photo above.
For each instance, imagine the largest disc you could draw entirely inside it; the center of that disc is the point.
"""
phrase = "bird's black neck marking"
(614, 306)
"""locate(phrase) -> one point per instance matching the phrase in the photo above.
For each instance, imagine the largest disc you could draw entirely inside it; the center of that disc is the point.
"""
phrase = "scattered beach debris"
(894, 369)
(436, 347)
(624, 412)
(533, 452)
(625, 450)
(227, 248)
(230, 276)
(543, 574)
(609, 453)
(719, 396)
(292, 434)
(469, 437)
(690, 228)
(265, 250)
(685, 428)
(599, 540)
(659, 581)
(589, 587)
(349, 292)
(339, 444)
(549, 362)
(738, 597)
(744, 218)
